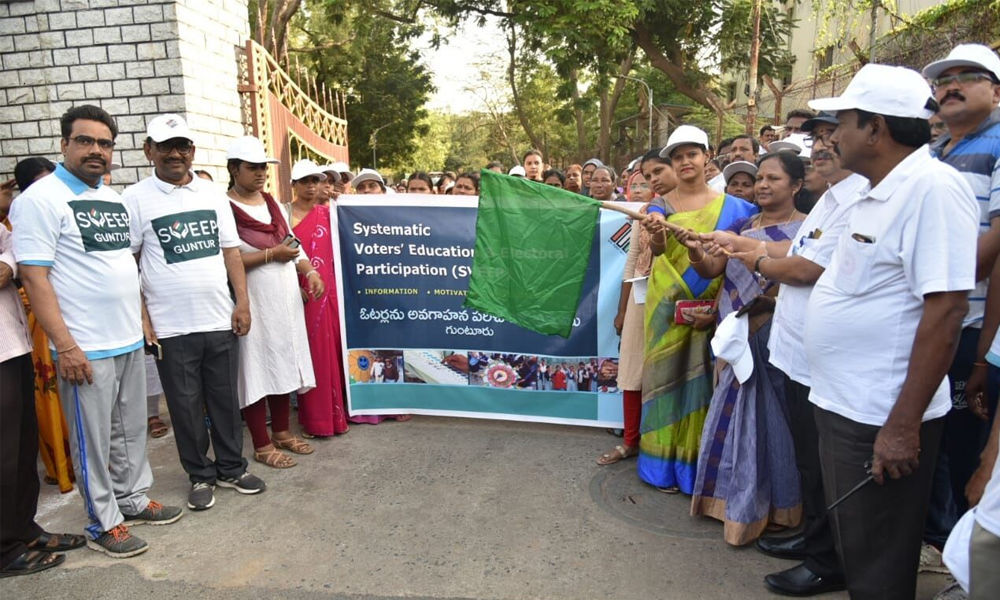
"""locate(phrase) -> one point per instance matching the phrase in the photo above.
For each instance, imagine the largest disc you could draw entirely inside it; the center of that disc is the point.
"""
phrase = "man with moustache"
(71, 243)
(882, 325)
(797, 267)
(184, 236)
(967, 86)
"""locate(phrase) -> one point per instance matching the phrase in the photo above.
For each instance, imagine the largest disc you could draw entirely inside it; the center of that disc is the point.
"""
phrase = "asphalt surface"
(431, 508)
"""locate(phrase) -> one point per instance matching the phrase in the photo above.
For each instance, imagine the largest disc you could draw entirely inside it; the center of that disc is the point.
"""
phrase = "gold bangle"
(267, 258)
(58, 351)
(980, 364)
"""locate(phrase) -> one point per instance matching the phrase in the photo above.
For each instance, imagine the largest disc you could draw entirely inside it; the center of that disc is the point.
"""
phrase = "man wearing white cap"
(184, 235)
(882, 326)
(967, 86)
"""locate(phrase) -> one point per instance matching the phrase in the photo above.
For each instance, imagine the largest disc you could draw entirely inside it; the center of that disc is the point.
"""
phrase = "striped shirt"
(14, 339)
(977, 158)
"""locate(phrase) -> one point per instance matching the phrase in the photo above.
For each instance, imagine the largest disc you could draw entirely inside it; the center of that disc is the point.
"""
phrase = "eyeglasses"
(823, 136)
(960, 78)
(85, 141)
(181, 145)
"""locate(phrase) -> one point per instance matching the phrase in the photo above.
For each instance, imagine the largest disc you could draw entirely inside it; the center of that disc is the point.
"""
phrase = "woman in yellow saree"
(677, 367)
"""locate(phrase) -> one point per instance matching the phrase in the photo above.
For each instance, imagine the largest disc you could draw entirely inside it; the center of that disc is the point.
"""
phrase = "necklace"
(760, 219)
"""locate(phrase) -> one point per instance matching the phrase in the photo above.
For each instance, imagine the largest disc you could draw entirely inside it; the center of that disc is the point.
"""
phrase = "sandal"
(274, 458)
(32, 561)
(57, 542)
(157, 428)
(292, 444)
(617, 454)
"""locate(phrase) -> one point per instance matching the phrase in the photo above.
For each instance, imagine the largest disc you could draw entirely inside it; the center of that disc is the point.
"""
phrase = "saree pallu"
(321, 409)
(677, 367)
(747, 477)
(53, 434)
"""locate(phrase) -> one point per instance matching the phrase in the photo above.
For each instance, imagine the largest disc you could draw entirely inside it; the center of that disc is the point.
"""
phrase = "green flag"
(532, 248)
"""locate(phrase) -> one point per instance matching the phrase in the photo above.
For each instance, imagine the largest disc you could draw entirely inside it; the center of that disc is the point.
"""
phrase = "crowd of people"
(808, 325)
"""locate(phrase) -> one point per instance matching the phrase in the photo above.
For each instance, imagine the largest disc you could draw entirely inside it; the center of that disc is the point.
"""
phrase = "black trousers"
(18, 456)
(878, 530)
(198, 373)
(820, 549)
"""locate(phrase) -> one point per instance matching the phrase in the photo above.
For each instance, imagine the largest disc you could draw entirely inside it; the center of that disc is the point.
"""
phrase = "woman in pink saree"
(321, 410)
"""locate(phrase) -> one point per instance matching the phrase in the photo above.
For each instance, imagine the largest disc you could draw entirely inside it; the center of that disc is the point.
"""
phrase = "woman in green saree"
(677, 367)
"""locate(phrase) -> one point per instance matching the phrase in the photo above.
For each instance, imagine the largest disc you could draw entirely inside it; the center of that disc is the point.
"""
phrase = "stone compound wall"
(134, 58)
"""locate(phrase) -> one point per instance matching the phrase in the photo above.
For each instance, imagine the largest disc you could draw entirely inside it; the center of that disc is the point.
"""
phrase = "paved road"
(432, 508)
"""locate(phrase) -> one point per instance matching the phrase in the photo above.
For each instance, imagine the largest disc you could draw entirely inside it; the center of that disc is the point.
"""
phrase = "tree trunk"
(609, 103)
(754, 59)
(674, 72)
(276, 40)
(529, 130)
(581, 129)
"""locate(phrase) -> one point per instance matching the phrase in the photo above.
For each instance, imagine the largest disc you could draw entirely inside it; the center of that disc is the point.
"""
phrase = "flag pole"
(607, 204)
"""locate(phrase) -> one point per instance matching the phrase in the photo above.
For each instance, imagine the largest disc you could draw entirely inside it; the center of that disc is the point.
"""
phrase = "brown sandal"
(274, 458)
(293, 444)
(157, 428)
(617, 454)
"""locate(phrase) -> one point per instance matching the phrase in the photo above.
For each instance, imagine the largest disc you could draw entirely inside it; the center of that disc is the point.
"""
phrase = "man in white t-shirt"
(882, 326)
(71, 242)
(184, 235)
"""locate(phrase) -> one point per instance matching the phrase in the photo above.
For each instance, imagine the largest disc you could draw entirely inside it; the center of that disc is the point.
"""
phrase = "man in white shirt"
(882, 326)
(184, 235)
(71, 242)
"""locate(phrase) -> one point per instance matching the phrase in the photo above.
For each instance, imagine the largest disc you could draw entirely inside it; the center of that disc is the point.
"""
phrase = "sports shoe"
(931, 561)
(201, 496)
(118, 543)
(155, 514)
(244, 484)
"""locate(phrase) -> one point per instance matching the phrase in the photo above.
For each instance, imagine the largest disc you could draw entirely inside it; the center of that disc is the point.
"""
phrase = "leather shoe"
(800, 581)
(791, 547)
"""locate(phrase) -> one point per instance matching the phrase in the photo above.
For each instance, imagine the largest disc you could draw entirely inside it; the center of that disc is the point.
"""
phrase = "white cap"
(305, 168)
(883, 90)
(339, 167)
(167, 127)
(249, 149)
(966, 55)
(731, 344)
(367, 175)
(802, 142)
(517, 171)
(684, 134)
(739, 166)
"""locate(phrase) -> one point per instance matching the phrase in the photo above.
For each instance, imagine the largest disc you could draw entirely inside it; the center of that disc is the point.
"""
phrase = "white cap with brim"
(249, 149)
(167, 127)
(517, 171)
(367, 175)
(731, 344)
(882, 90)
(739, 166)
(682, 136)
(306, 168)
(966, 55)
(784, 146)
(339, 167)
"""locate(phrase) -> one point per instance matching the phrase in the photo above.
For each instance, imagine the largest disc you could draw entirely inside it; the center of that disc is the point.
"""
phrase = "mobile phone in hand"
(155, 349)
(291, 241)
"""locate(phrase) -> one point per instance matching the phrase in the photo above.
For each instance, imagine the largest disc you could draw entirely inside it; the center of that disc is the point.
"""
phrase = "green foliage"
(368, 58)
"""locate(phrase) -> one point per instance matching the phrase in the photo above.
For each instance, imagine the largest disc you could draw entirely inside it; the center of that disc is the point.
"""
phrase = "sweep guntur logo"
(187, 235)
(103, 225)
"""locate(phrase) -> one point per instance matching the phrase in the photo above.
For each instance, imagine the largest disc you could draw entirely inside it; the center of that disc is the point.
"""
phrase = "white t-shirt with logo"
(181, 231)
(82, 234)
(911, 235)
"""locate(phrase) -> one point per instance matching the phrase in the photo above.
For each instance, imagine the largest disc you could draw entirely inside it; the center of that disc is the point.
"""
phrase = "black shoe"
(790, 547)
(800, 581)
